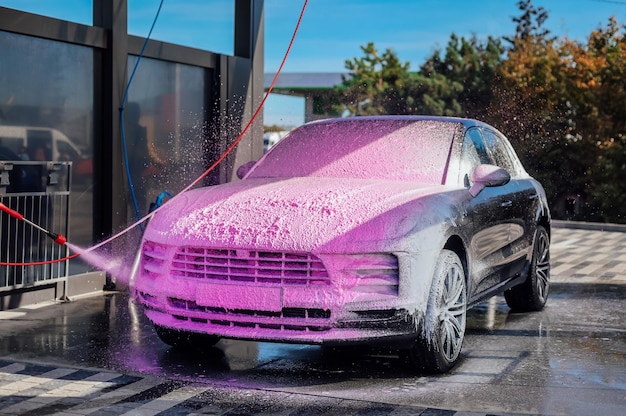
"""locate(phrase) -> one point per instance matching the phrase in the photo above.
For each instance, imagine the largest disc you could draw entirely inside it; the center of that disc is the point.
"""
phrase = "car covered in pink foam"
(353, 230)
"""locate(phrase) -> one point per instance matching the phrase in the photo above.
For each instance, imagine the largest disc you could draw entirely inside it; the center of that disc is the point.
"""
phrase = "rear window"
(393, 149)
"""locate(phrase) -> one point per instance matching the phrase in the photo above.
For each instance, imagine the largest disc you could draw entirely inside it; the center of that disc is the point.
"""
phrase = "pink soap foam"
(300, 214)
(398, 149)
(324, 183)
(344, 198)
(325, 189)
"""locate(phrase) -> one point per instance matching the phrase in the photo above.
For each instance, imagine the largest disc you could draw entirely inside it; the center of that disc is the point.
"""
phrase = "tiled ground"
(586, 256)
(37, 390)
(28, 389)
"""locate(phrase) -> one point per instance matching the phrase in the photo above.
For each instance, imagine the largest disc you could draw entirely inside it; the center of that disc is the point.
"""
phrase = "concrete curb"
(597, 226)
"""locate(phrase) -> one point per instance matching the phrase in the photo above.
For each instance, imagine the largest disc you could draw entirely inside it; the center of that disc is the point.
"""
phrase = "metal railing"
(40, 191)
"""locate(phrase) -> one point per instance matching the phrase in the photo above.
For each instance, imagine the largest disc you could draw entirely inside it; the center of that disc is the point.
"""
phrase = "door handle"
(533, 196)
(505, 204)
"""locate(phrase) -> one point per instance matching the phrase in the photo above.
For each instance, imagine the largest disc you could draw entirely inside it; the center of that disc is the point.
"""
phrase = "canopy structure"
(319, 90)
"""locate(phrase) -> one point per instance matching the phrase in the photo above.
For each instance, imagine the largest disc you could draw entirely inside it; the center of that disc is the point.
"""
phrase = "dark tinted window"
(499, 152)
(66, 152)
(473, 153)
(39, 144)
(13, 143)
(164, 128)
(65, 103)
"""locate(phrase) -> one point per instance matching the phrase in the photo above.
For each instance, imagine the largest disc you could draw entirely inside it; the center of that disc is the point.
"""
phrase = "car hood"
(300, 214)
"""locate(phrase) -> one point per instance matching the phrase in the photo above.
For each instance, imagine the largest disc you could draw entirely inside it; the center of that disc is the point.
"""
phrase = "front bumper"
(281, 297)
(292, 325)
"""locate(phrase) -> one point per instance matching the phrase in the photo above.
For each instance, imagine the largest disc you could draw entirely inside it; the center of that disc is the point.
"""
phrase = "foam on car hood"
(296, 214)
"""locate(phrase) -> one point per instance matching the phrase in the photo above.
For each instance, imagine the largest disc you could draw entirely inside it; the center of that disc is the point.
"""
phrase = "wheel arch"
(544, 221)
(455, 244)
(542, 216)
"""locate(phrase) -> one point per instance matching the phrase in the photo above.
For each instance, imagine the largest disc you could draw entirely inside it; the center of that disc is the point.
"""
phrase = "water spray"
(60, 239)
(57, 238)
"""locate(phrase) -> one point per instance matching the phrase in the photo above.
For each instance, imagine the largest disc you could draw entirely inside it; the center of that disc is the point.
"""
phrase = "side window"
(500, 153)
(517, 167)
(473, 153)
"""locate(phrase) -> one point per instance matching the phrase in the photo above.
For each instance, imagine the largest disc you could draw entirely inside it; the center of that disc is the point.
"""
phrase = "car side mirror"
(487, 176)
(245, 168)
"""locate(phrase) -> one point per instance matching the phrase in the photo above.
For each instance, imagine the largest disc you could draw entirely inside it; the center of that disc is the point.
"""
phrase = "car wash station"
(161, 255)
(75, 133)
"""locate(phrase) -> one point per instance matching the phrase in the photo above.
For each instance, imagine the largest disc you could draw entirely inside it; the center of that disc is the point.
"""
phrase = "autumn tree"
(561, 102)
(597, 74)
(531, 106)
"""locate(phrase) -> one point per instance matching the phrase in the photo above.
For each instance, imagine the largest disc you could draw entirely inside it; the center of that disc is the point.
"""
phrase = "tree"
(461, 83)
(272, 128)
(560, 102)
(530, 23)
(609, 174)
(372, 78)
(458, 84)
(530, 104)
(598, 89)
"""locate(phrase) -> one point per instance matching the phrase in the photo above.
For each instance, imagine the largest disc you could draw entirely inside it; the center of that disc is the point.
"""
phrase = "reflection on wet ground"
(568, 358)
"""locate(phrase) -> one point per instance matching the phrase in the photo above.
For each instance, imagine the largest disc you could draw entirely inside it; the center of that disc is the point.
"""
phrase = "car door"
(525, 197)
(497, 223)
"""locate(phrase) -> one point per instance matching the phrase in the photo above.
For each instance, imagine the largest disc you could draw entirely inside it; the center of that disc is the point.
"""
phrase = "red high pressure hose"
(60, 239)
(57, 238)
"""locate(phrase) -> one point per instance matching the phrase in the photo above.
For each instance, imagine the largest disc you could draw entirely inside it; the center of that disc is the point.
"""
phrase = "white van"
(271, 138)
(39, 143)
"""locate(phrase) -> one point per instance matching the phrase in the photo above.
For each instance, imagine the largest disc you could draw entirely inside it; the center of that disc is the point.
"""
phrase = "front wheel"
(533, 293)
(439, 346)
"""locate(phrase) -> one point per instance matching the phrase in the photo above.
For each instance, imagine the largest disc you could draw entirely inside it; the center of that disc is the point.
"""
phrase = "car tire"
(184, 339)
(532, 294)
(438, 348)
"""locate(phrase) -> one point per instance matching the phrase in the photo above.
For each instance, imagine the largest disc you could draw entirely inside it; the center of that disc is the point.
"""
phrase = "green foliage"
(530, 22)
(372, 78)
(272, 128)
(461, 82)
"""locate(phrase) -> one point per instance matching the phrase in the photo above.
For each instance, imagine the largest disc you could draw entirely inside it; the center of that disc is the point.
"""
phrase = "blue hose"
(124, 145)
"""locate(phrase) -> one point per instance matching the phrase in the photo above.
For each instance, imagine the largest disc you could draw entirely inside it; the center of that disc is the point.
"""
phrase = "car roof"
(466, 122)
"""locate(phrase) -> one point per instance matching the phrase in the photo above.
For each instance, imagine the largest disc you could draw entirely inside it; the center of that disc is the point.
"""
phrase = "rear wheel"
(533, 293)
(185, 339)
(439, 346)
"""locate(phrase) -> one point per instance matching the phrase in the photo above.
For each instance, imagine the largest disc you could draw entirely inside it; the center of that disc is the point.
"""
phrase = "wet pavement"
(100, 356)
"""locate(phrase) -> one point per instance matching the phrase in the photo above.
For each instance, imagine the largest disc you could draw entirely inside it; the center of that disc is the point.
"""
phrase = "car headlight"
(154, 259)
(370, 273)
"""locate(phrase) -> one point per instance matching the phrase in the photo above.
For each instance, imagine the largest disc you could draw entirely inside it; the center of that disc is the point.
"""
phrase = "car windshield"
(393, 149)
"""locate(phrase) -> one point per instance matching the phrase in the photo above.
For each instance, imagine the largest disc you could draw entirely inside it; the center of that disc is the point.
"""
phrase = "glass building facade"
(62, 85)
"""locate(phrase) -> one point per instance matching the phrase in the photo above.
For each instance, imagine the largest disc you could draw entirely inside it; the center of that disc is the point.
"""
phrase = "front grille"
(249, 266)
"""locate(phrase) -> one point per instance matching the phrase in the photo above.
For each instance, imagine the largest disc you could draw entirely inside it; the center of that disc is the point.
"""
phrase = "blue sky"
(333, 30)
